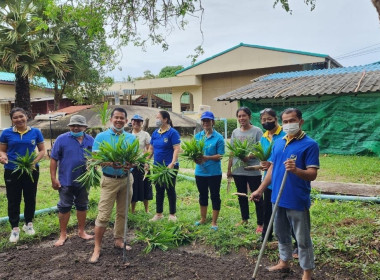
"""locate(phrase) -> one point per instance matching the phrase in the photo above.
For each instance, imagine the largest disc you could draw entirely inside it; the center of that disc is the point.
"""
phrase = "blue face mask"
(117, 129)
(76, 134)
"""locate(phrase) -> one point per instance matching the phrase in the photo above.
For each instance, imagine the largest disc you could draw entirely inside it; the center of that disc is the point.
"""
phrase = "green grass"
(345, 234)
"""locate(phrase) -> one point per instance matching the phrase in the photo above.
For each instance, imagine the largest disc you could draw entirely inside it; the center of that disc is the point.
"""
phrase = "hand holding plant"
(25, 164)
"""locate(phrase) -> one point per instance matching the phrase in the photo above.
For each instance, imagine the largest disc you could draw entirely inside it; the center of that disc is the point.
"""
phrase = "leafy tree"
(27, 44)
(89, 61)
(169, 71)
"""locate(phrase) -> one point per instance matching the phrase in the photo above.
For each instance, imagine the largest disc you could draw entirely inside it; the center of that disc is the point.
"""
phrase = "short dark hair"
(17, 109)
(119, 109)
(166, 115)
(245, 109)
(268, 111)
(291, 110)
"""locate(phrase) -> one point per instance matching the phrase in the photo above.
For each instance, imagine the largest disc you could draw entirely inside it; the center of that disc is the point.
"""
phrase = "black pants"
(172, 196)
(142, 189)
(267, 213)
(16, 187)
(241, 185)
(206, 183)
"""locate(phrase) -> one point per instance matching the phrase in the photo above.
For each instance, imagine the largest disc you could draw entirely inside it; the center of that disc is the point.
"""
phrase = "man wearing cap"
(208, 170)
(142, 188)
(113, 184)
(69, 152)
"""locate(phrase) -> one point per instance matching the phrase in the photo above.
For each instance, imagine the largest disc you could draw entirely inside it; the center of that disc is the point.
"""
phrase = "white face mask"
(158, 123)
(291, 128)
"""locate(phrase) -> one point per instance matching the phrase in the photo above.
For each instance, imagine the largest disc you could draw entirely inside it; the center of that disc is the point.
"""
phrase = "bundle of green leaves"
(119, 155)
(240, 150)
(259, 153)
(193, 150)
(24, 164)
(162, 175)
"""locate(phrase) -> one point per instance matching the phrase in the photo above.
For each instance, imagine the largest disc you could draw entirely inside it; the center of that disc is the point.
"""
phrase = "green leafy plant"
(240, 150)
(161, 175)
(193, 149)
(163, 237)
(118, 154)
(91, 178)
(24, 164)
(104, 113)
(259, 153)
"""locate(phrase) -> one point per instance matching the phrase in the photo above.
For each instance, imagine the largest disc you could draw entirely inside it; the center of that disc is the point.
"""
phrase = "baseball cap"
(207, 115)
(137, 118)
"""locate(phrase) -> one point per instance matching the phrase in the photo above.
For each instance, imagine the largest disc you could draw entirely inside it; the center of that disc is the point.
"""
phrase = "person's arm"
(41, 152)
(3, 153)
(310, 174)
(256, 195)
(150, 151)
(53, 174)
(175, 156)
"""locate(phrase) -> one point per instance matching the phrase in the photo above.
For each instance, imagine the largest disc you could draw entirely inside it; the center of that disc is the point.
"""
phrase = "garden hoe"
(126, 219)
(293, 157)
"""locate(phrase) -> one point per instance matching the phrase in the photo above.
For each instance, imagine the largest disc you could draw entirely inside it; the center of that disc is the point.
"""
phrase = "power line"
(356, 51)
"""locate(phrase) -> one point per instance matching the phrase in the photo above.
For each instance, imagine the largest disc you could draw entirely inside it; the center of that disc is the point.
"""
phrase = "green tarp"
(343, 125)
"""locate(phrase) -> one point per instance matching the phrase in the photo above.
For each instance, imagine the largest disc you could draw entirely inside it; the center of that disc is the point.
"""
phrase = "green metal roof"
(37, 81)
(251, 46)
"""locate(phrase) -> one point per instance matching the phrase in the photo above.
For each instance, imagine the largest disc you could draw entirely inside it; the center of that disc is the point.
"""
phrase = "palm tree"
(28, 43)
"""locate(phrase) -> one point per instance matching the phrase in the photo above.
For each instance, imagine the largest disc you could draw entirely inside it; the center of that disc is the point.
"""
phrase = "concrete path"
(328, 187)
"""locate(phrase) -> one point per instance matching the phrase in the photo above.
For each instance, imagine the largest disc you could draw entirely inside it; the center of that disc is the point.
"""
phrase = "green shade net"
(345, 125)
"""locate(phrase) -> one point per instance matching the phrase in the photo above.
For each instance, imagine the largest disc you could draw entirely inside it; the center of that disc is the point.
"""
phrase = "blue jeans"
(285, 220)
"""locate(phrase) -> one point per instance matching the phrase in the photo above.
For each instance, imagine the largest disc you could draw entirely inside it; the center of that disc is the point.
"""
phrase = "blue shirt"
(111, 137)
(266, 142)
(18, 144)
(71, 157)
(163, 145)
(296, 193)
(214, 145)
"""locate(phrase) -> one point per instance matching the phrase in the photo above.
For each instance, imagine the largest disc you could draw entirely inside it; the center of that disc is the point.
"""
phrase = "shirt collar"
(299, 137)
(28, 128)
(115, 133)
(163, 131)
(277, 132)
(204, 134)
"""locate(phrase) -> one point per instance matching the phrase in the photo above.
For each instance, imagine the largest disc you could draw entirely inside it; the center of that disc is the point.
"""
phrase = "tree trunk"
(23, 94)
(376, 3)
(57, 96)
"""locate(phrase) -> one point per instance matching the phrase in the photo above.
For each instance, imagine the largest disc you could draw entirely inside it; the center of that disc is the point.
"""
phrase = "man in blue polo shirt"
(113, 185)
(293, 212)
(69, 152)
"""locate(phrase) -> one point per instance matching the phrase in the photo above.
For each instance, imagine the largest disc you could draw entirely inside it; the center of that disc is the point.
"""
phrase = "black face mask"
(269, 125)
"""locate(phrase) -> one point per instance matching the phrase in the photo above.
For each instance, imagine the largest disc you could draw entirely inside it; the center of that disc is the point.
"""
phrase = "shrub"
(231, 125)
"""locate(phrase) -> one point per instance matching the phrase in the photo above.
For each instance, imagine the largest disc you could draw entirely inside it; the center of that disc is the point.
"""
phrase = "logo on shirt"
(33, 142)
(166, 140)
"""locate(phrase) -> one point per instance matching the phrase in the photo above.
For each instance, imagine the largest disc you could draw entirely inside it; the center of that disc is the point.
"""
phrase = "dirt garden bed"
(43, 261)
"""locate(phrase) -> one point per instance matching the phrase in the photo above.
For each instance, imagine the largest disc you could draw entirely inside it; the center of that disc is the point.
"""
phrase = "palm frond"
(24, 164)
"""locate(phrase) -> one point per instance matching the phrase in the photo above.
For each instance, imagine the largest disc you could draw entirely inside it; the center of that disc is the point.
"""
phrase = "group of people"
(292, 151)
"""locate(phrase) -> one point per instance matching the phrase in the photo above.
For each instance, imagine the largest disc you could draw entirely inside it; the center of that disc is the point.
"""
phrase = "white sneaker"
(156, 218)
(15, 235)
(172, 218)
(29, 230)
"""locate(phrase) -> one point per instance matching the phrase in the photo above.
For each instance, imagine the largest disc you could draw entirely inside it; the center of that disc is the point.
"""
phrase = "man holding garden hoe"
(293, 211)
(113, 184)
(69, 152)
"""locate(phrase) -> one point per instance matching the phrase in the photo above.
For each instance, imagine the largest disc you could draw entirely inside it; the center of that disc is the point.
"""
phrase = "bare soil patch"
(43, 261)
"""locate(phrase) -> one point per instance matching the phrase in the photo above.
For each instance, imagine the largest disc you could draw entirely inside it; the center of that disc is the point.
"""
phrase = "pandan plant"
(119, 155)
(104, 113)
(240, 150)
(193, 150)
(259, 153)
(24, 164)
(161, 175)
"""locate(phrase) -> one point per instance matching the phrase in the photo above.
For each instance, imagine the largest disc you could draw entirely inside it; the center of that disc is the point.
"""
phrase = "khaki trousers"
(112, 190)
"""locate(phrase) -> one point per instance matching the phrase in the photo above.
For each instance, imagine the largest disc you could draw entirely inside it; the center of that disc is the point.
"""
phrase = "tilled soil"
(43, 261)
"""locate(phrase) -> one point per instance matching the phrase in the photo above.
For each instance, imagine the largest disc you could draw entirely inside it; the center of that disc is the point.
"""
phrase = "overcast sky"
(335, 27)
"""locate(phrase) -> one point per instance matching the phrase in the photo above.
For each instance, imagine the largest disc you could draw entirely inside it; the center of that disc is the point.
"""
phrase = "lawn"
(345, 234)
